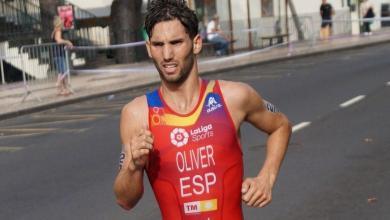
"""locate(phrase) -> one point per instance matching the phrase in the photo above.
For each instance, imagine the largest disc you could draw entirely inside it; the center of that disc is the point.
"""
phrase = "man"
(185, 135)
(217, 37)
(326, 12)
(367, 12)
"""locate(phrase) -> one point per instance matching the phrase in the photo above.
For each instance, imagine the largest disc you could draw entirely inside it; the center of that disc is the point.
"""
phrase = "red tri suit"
(195, 168)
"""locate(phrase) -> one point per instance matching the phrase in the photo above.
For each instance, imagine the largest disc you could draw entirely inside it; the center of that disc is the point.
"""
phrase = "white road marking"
(10, 149)
(352, 101)
(388, 83)
(300, 126)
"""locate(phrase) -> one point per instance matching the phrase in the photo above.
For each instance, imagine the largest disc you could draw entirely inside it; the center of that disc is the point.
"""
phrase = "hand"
(140, 146)
(69, 45)
(257, 191)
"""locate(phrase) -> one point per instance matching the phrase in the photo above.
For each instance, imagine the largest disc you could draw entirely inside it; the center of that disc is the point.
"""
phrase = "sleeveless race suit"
(195, 168)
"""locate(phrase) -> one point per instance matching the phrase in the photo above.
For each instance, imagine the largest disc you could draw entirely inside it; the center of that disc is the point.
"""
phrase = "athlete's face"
(172, 51)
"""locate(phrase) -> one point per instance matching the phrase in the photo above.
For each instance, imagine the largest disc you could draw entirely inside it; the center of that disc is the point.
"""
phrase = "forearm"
(277, 144)
(63, 41)
(128, 187)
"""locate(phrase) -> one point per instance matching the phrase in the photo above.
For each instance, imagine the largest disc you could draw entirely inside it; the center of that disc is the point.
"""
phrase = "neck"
(182, 97)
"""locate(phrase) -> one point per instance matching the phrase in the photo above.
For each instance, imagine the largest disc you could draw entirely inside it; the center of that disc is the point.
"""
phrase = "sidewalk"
(123, 77)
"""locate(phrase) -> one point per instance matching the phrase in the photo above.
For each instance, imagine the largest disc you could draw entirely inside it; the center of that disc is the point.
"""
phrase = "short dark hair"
(168, 10)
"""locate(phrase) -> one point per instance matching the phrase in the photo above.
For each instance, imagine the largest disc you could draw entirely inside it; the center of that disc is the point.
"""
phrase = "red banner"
(65, 12)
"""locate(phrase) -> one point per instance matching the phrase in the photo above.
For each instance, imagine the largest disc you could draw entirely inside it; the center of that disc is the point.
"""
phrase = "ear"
(148, 48)
(197, 44)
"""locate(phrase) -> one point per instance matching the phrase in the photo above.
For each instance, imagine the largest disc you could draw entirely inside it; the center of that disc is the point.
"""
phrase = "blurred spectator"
(59, 56)
(367, 11)
(326, 12)
(217, 37)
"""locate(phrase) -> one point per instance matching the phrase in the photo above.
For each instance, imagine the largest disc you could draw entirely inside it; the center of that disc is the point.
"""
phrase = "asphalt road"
(61, 163)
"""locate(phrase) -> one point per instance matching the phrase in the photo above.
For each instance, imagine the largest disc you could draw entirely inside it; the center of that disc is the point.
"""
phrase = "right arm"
(136, 144)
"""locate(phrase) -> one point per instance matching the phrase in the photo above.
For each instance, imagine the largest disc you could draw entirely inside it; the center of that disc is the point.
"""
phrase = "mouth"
(169, 68)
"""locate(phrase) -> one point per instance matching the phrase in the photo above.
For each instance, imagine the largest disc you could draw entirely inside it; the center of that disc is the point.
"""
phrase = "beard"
(183, 74)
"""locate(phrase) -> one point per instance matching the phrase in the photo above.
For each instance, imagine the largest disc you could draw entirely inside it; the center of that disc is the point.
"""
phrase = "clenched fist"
(140, 146)
(256, 192)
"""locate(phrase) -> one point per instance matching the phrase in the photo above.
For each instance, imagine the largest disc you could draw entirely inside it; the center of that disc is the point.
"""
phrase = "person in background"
(326, 12)
(217, 37)
(59, 57)
(367, 12)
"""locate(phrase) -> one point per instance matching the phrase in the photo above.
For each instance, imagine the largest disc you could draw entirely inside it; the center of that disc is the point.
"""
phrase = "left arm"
(58, 38)
(249, 106)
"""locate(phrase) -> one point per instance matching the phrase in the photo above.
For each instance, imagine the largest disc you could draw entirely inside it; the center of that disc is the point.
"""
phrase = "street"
(61, 163)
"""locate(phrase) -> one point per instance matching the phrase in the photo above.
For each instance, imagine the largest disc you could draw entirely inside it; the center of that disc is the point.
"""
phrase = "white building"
(100, 8)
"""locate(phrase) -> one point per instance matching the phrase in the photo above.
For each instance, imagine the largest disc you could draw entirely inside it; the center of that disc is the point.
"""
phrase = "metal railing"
(42, 65)
(308, 27)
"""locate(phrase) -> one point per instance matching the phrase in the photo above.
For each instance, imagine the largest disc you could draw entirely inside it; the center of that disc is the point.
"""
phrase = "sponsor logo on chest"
(202, 132)
(179, 136)
(212, 104)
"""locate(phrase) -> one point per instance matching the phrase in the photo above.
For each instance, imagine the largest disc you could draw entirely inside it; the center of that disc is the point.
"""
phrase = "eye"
(157, 44)
(176, 42)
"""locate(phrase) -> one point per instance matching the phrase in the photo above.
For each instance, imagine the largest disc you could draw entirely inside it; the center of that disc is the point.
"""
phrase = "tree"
(296, 20)
(125, 27)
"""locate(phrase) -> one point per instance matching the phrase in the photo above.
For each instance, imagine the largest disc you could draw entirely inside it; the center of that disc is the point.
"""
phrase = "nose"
(167, 53)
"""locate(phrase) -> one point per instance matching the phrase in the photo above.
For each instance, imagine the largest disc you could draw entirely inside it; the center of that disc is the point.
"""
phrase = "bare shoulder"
(135, 112)
(138, 104)
(240, 99)
(237, 92)
(233, 87)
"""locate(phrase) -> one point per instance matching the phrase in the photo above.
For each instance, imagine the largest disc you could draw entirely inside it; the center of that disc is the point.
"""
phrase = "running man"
(185, 135)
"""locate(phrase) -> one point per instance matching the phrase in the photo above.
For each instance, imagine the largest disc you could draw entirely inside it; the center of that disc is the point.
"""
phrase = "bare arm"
(137, 143)
(58, 38)
(247, 105)
(277, 126)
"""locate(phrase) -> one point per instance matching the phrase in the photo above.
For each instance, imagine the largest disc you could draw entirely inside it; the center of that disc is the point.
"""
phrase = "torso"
(195, 168)
(58, 51)
(326, 11)
(210, 29)
(365, 6)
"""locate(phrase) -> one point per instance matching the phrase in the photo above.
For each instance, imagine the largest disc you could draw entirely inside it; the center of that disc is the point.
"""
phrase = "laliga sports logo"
(179, 137)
